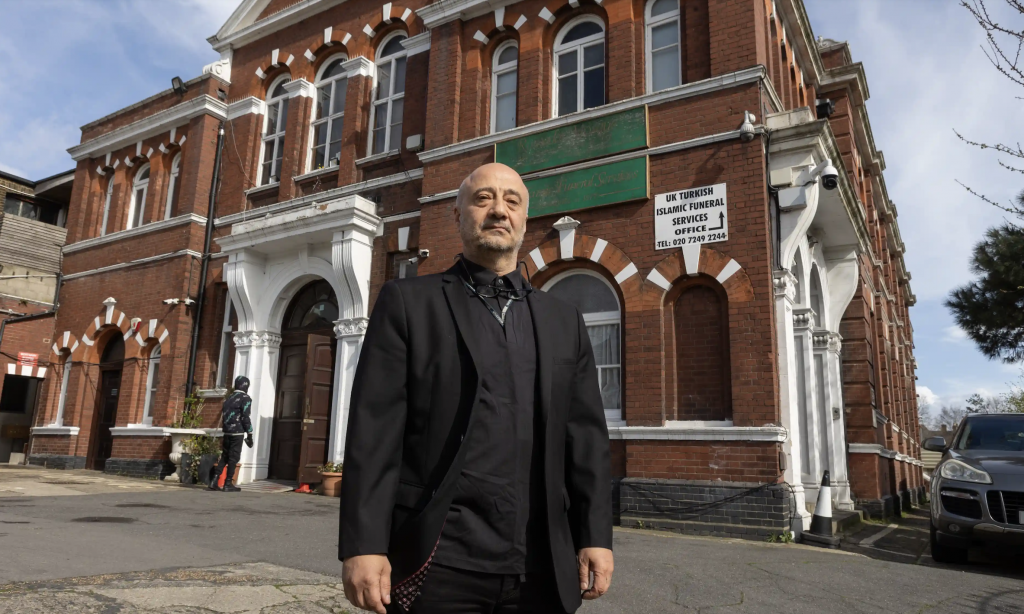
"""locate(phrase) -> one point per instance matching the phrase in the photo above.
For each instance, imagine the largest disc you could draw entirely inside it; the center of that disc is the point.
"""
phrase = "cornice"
(146, 127)
(268, 25)
(246, 106)
(181, 220)
(417, 44)
(442, 12)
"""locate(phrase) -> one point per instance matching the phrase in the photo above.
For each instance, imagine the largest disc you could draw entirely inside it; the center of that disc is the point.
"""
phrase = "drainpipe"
(201, 298)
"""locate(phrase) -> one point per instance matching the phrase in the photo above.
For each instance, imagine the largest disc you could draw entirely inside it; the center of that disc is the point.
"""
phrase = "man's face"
(491, 210)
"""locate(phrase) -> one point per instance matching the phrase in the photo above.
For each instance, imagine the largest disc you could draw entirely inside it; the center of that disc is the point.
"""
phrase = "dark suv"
(977, 489)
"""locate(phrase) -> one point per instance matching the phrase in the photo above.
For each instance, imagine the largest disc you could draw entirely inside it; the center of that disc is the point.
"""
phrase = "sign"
(586, 140)
(26, 359)
(590, 187)
(691, 217)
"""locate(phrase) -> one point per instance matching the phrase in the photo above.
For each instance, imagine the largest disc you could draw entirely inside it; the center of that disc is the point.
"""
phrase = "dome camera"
(830, 177)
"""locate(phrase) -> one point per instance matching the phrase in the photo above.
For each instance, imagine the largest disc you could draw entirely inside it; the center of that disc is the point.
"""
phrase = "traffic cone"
(821, 533)
(303, 488)
(223, 476)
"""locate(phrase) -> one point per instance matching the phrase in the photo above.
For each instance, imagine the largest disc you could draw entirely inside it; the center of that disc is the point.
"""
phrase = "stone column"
(833, 344)
(350, 335)
(256, 356)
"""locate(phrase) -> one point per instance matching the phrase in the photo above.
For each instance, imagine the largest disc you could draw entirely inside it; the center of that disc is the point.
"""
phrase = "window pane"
(664, 6)
(272, 118)
(319, 154)
(12, 205)
(323, 101)
(396, 125)
(283, 117)
(593, 56)
(587, 293)
(143, 175)
(334, 69)
(583, 30)
(394, 46)
(279, 90)
(399, 75)
(508, 54)
(265, 178)
(380, 118)
(506, 82)
(154, 367)
(605, 340)
(320, 134)
(379, 134)
(610, 378)
(567, 63)
(665, 35)
(567, 95)
(593, 88)
(665, 68)
(397, 107)
(383, 81)
(505, 118)
(340, 89)
(268, 151)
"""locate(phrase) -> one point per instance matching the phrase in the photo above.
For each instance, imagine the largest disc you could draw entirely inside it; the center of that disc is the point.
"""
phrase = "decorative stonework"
(785, 285)
(353, 327)
(257, 338)
(802, 318)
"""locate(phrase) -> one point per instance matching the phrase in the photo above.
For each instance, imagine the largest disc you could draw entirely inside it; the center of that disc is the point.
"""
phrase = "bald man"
(477, 475)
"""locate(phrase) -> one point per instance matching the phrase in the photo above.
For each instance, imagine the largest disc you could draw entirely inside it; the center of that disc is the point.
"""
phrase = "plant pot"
(183, 469)
(207, 462)
(331, 486)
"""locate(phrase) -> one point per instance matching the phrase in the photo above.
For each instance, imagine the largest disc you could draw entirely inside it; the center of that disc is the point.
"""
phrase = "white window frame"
(389, 101)
(502, 69)
(578, 46)
(227, 340)
(172, 184)
(154, 360)
(136, 208)
(329, 119)
(58, 420)
(106, 205)
(276, 139)
(651, 23)
(613, 415)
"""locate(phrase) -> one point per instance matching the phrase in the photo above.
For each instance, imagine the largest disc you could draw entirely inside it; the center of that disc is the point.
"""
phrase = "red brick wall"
(149, 448)
(702, 460)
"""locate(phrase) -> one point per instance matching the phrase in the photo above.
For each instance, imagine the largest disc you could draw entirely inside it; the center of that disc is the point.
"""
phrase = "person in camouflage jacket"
(236, 425)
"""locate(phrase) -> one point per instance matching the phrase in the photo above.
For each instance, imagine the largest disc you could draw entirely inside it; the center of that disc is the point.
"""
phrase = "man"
(477, 473)
(235, 424)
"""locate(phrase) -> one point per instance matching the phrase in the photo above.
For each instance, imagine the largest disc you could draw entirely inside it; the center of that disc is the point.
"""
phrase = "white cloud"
(954, 334)
(926, 396)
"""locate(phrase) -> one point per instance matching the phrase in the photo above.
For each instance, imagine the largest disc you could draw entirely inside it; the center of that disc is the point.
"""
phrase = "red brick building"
(704, 184)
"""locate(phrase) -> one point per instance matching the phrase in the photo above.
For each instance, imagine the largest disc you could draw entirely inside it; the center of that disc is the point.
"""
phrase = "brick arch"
(504, 22)
(331, 40)
(559, 12)
(710, 262)
(152, 329)
(66, 341)
(276, 60)
(109, 317)
(175, 141)
(388, 15)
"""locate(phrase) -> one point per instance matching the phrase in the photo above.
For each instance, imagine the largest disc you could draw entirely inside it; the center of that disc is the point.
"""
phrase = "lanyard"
(504, 310)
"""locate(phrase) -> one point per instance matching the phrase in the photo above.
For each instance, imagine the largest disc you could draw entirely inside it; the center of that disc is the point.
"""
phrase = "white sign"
(691, 217)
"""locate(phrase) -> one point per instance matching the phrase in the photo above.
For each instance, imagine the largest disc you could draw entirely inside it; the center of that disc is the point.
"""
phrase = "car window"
(1001, 434)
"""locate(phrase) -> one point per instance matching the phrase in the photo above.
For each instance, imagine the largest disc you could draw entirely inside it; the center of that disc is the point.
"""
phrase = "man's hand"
(597, 561)
(367, 580)
(248, 439)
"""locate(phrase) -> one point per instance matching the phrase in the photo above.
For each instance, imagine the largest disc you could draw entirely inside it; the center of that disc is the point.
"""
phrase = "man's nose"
(499, 210)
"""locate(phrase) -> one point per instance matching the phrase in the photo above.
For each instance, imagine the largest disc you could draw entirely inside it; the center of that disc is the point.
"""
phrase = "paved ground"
(92, 543)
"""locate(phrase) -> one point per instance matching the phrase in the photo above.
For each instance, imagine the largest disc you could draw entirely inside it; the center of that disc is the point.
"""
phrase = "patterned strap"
(406, 591)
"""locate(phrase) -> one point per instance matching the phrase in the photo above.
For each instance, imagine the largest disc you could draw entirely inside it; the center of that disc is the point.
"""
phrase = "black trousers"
(447, 590)
(231, 446)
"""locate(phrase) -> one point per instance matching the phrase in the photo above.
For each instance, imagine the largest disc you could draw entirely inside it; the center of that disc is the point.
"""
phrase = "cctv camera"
(830, 177)
(424, 253)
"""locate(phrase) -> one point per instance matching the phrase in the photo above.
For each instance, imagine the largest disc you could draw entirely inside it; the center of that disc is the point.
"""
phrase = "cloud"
(926, 396)
(954, 334)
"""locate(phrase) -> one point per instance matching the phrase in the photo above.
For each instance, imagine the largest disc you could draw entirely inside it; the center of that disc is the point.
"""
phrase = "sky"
(926, 72)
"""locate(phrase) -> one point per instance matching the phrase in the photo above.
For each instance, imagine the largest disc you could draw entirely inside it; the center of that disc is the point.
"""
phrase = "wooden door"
(286, 437)
(106, 415)
(316, 421)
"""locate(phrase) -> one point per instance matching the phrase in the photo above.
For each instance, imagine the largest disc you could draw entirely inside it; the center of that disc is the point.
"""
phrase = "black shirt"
(496, 520)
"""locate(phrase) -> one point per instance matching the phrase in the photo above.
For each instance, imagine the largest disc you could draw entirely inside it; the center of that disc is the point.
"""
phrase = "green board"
(590, 187)
(586, 140)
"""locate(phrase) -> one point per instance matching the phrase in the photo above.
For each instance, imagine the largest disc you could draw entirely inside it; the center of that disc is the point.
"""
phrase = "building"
(32, 218)
(705, 186)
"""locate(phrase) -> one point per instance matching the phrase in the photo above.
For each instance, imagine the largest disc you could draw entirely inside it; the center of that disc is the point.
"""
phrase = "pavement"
(80, 541)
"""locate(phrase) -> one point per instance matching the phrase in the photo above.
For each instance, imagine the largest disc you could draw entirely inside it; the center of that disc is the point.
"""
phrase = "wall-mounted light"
(178, 86)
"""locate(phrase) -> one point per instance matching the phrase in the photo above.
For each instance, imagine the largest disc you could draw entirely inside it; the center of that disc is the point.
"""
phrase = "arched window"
(65, 375)
(388, 95)
(106, 205)
(273, 132)
(331, 87)
(152, 382)
(703, 384)
(664, 65)
(314, 307)
(504, 82)
(137, 208)
(579, 65)
(817, 302)
(596, 300)
(174, 186)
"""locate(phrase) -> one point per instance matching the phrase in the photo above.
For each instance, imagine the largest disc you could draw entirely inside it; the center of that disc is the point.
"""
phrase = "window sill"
(694, 431)
(54, 429)
(378, 157)
(188, 218)
(263, 188)
(327, 170)
(213, 393)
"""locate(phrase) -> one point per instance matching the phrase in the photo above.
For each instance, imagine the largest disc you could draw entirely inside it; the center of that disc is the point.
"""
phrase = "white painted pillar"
(350, 335)
(256, 357)
(841, 472)
(785, 292)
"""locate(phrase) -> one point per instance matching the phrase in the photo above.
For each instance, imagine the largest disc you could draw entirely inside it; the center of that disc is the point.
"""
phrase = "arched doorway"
(105, 414)
(302, 409)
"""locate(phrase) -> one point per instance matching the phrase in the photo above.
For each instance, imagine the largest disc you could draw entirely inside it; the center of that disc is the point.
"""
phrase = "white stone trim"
(406, 14)
(368, 31)
(691, 257)
(299, 87)
(54, 430)
(628, 271)
(519, 22)
(566, 227)
(246, 106)
(386, 13)
(546, 15)
(131, 263)
(598, 250)
(377, 157)
(400, 216)
(538, 259)
(145, 430)
(416, 44)
(359, 66)
(768, 434)
(871, 448)
(730, 269)
(659, 280)
(180, 220)
(150, 126)
(480, 36)
(327, 170)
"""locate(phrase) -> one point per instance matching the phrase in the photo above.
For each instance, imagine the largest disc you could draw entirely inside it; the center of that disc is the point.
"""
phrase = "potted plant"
(200, 456)
(331, 485)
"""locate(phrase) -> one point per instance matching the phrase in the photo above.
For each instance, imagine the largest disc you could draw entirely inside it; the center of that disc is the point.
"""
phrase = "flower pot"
(184, 462)
(331, 486)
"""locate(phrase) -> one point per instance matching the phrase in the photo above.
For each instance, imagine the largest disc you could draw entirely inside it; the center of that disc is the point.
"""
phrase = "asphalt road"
(92, 541)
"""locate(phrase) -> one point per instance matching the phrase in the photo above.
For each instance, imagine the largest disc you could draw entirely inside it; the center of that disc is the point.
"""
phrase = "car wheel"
(942, 553)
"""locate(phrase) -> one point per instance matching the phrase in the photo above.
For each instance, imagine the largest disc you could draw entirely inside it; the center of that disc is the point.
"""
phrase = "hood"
(995, 461)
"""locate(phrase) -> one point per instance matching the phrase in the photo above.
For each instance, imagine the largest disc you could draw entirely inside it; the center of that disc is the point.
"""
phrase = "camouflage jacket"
(235, 413)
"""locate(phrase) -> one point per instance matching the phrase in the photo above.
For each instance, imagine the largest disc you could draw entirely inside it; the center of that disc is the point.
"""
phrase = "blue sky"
(925, 67)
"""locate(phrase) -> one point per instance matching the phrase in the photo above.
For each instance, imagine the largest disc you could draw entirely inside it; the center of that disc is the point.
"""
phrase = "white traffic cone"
(821, 533)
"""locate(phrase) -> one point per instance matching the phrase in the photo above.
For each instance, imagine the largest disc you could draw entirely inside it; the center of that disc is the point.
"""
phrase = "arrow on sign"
(721, 222)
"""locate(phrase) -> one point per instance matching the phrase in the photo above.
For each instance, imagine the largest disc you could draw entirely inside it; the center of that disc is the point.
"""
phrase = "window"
(106, 205)
(273, 132)
(596, 300)
(331, 88)
(19, 394)
(65, 375)
(579, 66)
(503, 87)
(137, 208)
(21, 208)
(389, 96)
(152, 382)
(227, 346)
(174, 187)
(664, 68)
(817, 302)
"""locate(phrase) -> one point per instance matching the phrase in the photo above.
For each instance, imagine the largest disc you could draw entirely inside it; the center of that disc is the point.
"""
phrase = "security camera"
(171, 301)
(828, 173)
(424, 253)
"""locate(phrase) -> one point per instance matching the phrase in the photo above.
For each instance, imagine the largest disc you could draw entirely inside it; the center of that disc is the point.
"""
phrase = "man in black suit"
(477, 473)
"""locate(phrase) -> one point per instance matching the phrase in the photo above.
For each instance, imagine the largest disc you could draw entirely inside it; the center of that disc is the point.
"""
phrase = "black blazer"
(415, 387)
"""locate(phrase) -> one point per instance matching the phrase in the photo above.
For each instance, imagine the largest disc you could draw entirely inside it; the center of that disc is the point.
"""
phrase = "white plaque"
(691, 217)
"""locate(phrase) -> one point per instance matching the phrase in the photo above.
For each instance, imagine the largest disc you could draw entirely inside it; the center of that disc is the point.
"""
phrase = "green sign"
(591, 187)
(586, 140)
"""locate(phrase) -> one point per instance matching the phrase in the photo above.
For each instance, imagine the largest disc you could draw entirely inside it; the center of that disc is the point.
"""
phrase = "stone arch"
(66, 341)
(282, 286)
(109, 317)
(276, 60)
(328, 41)
(550, 10)
(389, 13)
(152, 329)
(504, 22)
(707, 261)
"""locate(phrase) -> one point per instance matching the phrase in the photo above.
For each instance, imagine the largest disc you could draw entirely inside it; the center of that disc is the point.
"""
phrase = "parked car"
(977, 489)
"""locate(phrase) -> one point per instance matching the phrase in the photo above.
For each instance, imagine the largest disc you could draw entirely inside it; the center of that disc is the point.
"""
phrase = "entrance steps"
(269, 486)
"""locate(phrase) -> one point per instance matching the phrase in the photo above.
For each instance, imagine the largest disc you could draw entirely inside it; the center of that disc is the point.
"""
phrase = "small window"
(152, 383)
(273, 133)
(65, 375)
(140, 188)
(579, 66)
(174, 187)
(21, 208)
(504, 83)
(331, 88)
(106, 205)
(388, 96)
(226, 360)
(314, 307)
(664, 65)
